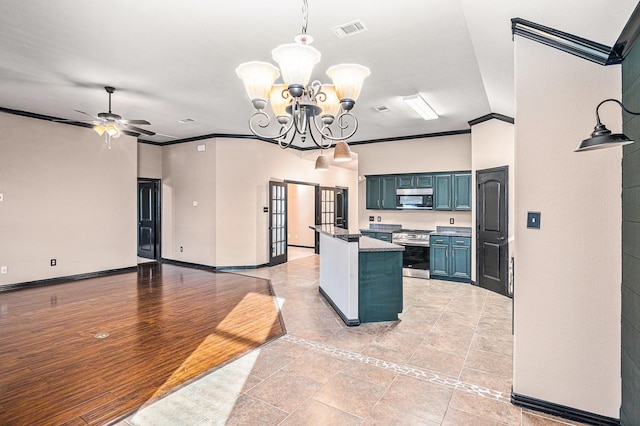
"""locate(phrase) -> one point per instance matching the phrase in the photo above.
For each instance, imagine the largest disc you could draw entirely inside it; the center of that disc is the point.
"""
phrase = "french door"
(277, 222)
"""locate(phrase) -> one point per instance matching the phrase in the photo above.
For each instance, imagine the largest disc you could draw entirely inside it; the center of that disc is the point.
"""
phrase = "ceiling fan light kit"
(113, 125)
(296, 104)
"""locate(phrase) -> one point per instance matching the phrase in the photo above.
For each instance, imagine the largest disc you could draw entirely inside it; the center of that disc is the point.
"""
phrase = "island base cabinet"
(380, 286)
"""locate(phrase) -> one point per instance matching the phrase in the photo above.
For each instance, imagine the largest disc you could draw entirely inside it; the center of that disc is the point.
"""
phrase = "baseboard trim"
(209, 267)
(562, 411)
(295, 245)
(189, 264)
(347, 321)
(61, 280)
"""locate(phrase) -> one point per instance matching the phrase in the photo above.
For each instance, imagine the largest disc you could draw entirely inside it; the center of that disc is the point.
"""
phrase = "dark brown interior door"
(492, 249)
(342, 208)
(148, 216)
(277, 223)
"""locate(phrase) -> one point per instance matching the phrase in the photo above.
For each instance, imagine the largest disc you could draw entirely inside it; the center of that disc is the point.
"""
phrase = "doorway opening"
(294, 207)
(149, 225)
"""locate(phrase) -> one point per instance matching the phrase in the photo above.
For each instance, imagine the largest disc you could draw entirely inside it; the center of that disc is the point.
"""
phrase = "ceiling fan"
(113, 125)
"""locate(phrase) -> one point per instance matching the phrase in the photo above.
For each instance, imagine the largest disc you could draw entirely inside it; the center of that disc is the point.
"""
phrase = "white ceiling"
(173, 60)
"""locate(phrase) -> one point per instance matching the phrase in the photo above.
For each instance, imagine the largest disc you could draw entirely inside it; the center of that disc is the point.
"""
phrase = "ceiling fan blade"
(139, 130)
(135, 122)
(134, 134)
(92, 116)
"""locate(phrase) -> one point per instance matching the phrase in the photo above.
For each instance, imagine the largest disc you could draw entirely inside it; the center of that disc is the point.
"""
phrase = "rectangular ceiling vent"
(349, 29)
(382, 108)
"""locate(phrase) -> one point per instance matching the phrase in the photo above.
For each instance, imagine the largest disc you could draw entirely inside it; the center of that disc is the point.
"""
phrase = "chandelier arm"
(323, 139)
(283, 130)
(325, 132)
(282, 143)
(342, 125)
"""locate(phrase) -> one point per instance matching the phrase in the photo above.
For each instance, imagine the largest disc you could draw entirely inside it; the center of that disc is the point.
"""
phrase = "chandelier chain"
(305, 16)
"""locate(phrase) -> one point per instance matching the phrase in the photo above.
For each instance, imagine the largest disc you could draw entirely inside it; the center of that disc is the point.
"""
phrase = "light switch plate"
(533, 220)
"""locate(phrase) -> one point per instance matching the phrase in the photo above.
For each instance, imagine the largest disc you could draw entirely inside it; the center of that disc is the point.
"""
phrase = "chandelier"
(298, 105)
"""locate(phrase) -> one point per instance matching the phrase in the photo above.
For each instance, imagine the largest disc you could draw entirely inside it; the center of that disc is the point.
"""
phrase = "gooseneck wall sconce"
(601, 136)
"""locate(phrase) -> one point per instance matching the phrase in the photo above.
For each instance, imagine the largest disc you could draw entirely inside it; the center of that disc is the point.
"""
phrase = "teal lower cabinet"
(450, 258)
(379, 285)
(439, 256)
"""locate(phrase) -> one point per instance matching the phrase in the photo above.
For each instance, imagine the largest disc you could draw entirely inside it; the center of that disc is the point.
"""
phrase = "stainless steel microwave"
(415, 198)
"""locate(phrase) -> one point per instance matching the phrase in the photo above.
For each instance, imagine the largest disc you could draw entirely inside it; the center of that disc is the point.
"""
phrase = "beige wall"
(568, 273)
(149, 161)
(188, 177)
(438, 154)
(66, 196)
(493, 145)
(300, 214)
(230, 183)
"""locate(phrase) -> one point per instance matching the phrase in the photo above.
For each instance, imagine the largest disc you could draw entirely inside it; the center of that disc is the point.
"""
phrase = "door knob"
(500, 238)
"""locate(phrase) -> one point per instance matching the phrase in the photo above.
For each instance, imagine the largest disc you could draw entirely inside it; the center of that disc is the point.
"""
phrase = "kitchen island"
(360, 277)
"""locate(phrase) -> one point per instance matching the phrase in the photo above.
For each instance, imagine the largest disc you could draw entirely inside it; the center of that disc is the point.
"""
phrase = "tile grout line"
(400, 369)
(475, 330)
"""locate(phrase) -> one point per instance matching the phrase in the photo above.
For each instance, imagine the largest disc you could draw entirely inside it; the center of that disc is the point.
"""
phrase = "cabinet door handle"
(383, 202)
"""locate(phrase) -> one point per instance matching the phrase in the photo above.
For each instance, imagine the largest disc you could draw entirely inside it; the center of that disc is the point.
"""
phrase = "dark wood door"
(148, 219)
(492, 219)
(342, 208)
(277, 223)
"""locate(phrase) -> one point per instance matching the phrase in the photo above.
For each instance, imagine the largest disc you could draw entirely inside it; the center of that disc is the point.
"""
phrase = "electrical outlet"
(180, 249)
(53, 262)
(451, 221)
(3, 270)
(1, 197)
(371, 218)
(379, 219)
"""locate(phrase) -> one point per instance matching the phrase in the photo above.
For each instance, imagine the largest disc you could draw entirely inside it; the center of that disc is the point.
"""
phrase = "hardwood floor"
(166, 325)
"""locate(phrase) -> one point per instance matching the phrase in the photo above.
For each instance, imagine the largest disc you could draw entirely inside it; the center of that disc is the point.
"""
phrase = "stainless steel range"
(415, 258)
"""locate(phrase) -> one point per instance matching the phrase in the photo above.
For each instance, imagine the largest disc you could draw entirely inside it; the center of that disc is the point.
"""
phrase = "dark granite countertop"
(343, 234)
(371, 244)
(452, 231)
(382, 227)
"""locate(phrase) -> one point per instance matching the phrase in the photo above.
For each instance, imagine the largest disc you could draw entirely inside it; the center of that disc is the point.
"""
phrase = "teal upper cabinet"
(374, 192)
(462, 191)
(424, 181)
(442, 192)
(405, 182)
(381, 192)
(414, 181)
(451, 191)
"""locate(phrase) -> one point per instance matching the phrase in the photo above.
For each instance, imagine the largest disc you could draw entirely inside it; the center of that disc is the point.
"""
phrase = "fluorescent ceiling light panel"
(420, 106)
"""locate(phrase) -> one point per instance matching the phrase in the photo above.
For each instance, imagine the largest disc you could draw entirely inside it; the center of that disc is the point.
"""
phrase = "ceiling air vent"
(382, 108)
(349, 29)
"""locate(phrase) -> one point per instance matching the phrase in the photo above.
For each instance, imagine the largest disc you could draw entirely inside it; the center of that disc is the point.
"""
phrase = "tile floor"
(447, 361)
